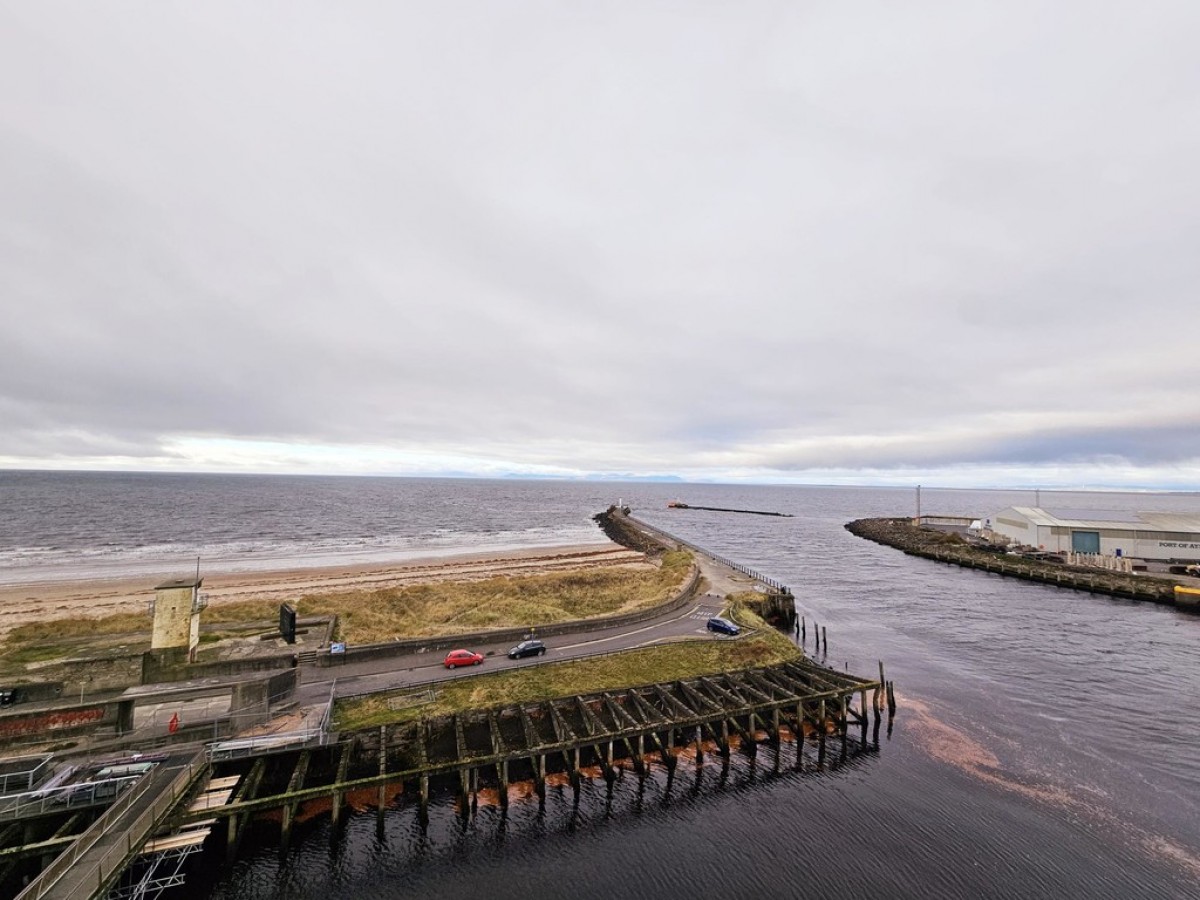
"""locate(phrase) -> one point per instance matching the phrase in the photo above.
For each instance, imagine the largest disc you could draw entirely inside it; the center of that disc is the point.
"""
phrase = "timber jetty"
(944, 547)
(798, 703)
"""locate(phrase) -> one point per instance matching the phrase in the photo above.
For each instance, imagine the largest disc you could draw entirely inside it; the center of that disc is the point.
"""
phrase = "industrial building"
(1164, 537)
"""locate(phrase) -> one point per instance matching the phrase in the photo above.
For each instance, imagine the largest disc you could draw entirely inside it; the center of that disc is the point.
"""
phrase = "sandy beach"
(36, 601)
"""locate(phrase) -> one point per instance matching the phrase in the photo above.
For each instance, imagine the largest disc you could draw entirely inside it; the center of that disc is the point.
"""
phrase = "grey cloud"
(772, 239)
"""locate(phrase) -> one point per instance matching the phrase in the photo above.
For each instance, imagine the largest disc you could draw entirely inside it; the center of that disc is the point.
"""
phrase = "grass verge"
(667, 662)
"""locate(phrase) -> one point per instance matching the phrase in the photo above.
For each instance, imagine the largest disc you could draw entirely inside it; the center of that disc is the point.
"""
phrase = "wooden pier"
(628, 729)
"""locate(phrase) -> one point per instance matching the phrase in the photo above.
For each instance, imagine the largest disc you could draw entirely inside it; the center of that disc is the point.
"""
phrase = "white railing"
(95, 874)
(24, 779)
(66, 796)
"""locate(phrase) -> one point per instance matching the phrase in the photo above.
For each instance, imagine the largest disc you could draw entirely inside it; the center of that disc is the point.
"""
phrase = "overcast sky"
(953, 243)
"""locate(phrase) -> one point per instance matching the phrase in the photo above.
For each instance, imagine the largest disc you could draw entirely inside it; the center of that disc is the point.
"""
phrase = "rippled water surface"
(1046, 744)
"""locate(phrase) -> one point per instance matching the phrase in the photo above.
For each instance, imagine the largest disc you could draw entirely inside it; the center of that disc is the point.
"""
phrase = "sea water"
(1045, 743)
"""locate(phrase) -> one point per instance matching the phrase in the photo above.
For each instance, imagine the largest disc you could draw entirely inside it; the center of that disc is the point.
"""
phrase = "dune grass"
(421, 610)
(456, 607)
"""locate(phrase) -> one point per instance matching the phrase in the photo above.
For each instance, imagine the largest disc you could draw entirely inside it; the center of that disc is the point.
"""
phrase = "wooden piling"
(844, 725)
(821, 734)
(464, 792)
(343, 767)
(423, 781)
(381, 799)
(296, 782)
(245, 791)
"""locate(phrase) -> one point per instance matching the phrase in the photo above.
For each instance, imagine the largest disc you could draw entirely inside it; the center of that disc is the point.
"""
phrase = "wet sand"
(38, 601)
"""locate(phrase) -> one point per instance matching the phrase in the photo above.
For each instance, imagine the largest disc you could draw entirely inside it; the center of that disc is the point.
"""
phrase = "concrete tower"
(177, 608)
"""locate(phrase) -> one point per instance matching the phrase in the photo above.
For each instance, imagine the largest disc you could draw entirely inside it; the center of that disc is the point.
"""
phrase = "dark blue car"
(724, 626)
(527, 648)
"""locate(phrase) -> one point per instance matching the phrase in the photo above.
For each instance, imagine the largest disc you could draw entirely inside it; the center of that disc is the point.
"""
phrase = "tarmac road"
(369, 676)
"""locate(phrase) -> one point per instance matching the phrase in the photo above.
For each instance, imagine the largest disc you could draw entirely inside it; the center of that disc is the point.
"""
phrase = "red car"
(457, 658)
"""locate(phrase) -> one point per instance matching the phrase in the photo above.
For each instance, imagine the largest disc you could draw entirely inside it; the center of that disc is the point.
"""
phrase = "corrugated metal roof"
(1105, 519)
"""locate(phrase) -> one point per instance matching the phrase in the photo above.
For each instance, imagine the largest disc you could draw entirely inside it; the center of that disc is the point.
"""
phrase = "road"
(355, 678)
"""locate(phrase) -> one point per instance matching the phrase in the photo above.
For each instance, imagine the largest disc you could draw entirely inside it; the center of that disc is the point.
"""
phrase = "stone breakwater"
(951, 548)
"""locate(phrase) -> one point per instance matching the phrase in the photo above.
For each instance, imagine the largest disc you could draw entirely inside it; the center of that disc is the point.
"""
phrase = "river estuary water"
(1047, 742)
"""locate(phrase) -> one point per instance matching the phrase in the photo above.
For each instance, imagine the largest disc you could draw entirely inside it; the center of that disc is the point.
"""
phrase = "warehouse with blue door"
(1160, 537)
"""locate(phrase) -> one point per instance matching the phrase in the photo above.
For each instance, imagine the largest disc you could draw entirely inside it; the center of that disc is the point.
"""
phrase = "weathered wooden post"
(295, 784)
(464, 793)
(799, 735)
(825, 639)
(343, 767)
(821, 735)
(803, 630)
(778, 740)
(382, 797)
(699, 746)
(843, 723)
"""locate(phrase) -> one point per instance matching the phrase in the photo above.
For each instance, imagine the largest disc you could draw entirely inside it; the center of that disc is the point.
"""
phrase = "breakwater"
(901, 534)
(748, 512)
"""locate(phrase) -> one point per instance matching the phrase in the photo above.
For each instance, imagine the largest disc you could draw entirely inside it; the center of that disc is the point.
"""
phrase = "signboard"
(337, 647)
(287, 623)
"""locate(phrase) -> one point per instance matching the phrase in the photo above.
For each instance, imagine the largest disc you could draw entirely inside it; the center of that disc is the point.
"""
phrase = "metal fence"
(29, 770)
(311, 735)
(66, 796)
(94, 874)
(241, 748)
(745, 570)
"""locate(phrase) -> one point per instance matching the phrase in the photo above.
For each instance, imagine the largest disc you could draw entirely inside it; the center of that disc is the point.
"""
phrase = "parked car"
(527, 648)
(456, 658)
(724, 626)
